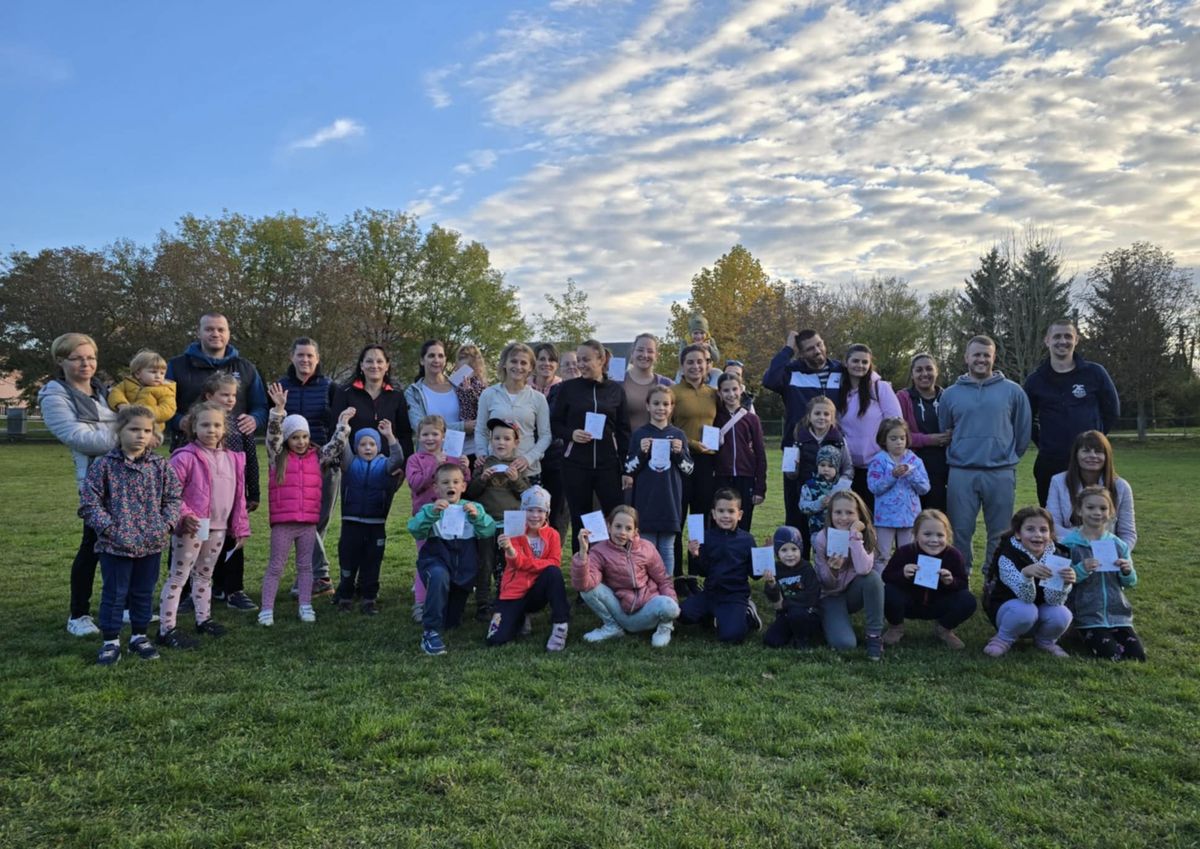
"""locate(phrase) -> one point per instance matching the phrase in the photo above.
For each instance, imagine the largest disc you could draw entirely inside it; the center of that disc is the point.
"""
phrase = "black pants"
(796, 626)
(360, 556)
(580, 484)
(859, 485)
(83, 574)
(509, 614)
(1113, 643)
(552, 482)
(791, 510)
(744, 487)
(698, 489)
(949, 609)
(1046, 467)
(491, 568)
(229, 575)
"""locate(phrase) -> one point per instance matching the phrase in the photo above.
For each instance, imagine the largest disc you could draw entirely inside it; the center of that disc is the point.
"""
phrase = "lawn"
(342, 734)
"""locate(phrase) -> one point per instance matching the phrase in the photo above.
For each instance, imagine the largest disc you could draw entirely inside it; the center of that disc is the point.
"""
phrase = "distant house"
(10, 395)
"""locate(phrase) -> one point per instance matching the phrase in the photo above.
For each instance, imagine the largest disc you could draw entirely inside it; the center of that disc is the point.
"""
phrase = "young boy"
(146, 386)
(448, 561)
(795, 592)
(724, 561)
(814, 495)
(498, 487)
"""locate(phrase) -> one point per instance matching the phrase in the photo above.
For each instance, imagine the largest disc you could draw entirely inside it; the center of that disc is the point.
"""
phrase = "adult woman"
(374, 398)
(640, 378)
(864, 401)
(75, 408)
(547, 381)
(591, 466)
(919, 406)
(432, 394)
(516, 401)
(1091, 464)
(695, 406)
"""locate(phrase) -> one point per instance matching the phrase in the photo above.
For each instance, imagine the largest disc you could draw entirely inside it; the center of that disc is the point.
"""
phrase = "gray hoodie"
(991, 421)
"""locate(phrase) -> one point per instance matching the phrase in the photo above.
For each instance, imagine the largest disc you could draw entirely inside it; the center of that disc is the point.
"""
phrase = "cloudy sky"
(622, 144)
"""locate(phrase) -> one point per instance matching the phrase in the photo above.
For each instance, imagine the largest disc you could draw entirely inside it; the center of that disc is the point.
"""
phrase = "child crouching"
(795, 591)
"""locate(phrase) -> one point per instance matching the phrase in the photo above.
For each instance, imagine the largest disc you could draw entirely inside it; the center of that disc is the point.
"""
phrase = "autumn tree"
(726, 295)
(568, 323)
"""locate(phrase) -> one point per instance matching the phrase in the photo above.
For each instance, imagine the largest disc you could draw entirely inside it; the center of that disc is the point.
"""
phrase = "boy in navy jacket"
(725, 562)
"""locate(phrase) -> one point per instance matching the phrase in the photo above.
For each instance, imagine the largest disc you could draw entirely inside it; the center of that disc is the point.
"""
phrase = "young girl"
(1091, 464)
(214, 507)
(294, 492)
(897, 478)
(1013, 594)
(849, 582)
(793, 588)
(623, 580)
(532, 577)
(742, 458)
(658, 487)
(950, 603)
(815, 430)
(1102, 613)
(130, 498)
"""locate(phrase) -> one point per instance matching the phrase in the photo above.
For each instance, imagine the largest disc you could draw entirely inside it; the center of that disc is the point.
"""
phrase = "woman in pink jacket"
(623, 580)
(863, 402)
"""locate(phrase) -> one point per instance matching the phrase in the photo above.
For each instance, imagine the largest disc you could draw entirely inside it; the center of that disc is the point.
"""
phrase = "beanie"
(829, 454)
(535, 497)
(697, 322)
(371, 432)
(294, 424)
(785, 534)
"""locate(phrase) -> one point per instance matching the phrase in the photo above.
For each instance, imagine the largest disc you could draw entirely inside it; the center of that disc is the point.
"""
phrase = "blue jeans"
(659, 610)
(127, 580)
(664, 543)
(444, 600)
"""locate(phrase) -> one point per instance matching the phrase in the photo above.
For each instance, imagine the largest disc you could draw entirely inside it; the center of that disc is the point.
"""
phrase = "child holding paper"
(1103, 571)
(844, 559)
(725, 561)
(658, 459)
(449, 559)
(814, 495)
(498, 487)
(793, 588)
(927, 579)
(897, 478)
(817, 429)
(742, 458)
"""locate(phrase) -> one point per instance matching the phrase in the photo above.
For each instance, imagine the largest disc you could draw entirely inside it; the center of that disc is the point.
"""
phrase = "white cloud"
(478, 160)
(435, 86)
(342, 128)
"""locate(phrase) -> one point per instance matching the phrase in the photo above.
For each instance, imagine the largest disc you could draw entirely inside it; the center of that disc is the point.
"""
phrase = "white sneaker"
(82, 626)
(307, 614)
(266, 618)
(604, 632)
(662, 634)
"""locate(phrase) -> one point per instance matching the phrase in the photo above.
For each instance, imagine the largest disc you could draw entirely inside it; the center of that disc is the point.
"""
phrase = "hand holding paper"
(1105, 550)
(594, 523)
(762, 559)
(1057, 565)
(460, 374)
(791, 458)
(710, 438)
(695, 527)
(593, 423)
(616, 368)
(454, 443)
(837, 542)
(514, 523)
(929, 572)
(453, 521)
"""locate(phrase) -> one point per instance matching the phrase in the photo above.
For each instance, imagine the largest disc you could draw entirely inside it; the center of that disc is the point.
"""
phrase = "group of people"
(881, 491)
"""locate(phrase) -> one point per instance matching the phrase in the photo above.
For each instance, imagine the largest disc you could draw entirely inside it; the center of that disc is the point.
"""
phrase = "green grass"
(342, 734)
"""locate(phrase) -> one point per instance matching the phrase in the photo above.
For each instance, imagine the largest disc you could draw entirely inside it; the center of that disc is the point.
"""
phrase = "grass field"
(343, 734)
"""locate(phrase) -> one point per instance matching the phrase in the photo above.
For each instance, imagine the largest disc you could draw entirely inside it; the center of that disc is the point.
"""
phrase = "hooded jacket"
(991, 422)
(1099, 597)
(193, 367)
(192, 468)
(159, 400)
(130, 504)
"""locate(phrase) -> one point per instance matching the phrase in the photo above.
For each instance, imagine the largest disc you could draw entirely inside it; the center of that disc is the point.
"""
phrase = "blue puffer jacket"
(368, 488)
(309, 398)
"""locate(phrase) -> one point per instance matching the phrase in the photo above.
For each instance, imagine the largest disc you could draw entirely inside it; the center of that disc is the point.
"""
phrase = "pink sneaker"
(996, 647)
(1051, 648)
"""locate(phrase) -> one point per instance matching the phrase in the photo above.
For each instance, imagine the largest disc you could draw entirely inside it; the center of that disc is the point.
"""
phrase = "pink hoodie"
(191, 467)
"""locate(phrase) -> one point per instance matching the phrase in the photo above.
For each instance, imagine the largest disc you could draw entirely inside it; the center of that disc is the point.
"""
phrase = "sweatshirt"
(658, 493)
(952, 559)
(725, 562)
(991, 422)
(742, 453)
(859, 563)
(1065, 404)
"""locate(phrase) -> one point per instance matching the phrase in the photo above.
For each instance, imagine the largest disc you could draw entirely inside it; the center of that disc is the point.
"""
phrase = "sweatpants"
(331, 485)
(970, 489)
(283, 535)
(360, 556)
(949, 609)
(744, 487)
(1113, 643)
(83, 574)
(659, 610)
(795, 626)
(193, 558)
(509, 614)
(1046, 622)
(731, 613)
(580, 484)
(864, 593)
(126, 580)
(444, 599)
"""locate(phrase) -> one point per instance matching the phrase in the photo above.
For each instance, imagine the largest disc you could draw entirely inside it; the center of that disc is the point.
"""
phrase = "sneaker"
(213, 629)
(752, 617)
(266, 618)
(176, 639)
(418, 612)
(218, 595)
(605, 632)
(874, 647)
(431, 643)
(240, 601)
(893, 635)
(307, 614)
(369, 607)
(662, 634)
(1051, 648)
(110, 654)
(343, 605)
(143, 648)
(527, 626)
(321, 586)
(947, 636)
(186, 605)
(558, 637)
(996, 647)
(82, 626)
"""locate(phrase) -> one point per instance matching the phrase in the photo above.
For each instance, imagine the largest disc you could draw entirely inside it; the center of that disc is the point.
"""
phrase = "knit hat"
(697, 322)
(535, 498)
(491, 423)
(784, 535)
(294, 424)
(829, 454)
(371, 432)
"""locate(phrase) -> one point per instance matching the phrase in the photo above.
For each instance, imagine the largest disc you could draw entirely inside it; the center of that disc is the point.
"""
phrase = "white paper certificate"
(1105, 550)
(453, 522)
(791, 458)
(710, 437)
(928, 572)
(660, 453)
(837, 542)
(616, 369)
(203, 531)
(1055, 564)
(594, 522)
(695, 522)
(805, 381)
(593, 423)
(455, 441)
(762, 559)
(514, 523)
(460, 374)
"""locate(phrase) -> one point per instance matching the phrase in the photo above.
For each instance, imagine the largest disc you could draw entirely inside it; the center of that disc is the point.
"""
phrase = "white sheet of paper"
(204, 530)
(791, 458)
(1105, 550)
(695, 522)
(710, 437)
(453, 521)
(499, 468)
(927, 571)
(514, 523)
(616, 369)
(455, 441)
(660, 453)
(593, 423)
(762, 559)
(594, 522)
(460, 374)
(837, 542)
(1056, 564)
(805, 381)
(834, 381)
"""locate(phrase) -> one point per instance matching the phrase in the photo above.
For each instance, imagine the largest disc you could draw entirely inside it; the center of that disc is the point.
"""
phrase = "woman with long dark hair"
(864, 401)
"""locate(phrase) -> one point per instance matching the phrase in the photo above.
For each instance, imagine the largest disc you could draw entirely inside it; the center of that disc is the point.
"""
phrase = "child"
(213, 508)
(795, 592)
(624, 581)
(815, 430)
(738, 369)
(130, 498)
(449, 559)
(814, 495)
(849, 582)
(1013, 595)
(950, 604)
(1102, 613)
(742, 458)
(146, 386)
(897, 478)
(532, 576)
(498, 487)
(294, 493)
(369, 481)
(724, 561)
(698, 335)
(421, 471)
(658, 488)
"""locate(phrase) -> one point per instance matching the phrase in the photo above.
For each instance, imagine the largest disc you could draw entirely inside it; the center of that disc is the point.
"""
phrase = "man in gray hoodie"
(991, 422)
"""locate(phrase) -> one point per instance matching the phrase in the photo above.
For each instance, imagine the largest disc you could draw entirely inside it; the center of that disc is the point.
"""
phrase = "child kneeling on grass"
(725, 562)
(792, 587)
(448, 561)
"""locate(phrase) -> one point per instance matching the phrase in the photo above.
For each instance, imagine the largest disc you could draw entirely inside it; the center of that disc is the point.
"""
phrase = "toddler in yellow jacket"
(146, 386)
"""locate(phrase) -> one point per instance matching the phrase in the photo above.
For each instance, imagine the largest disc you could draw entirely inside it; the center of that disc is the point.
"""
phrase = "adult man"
(1067, 396)
(990, 418)
(800, 372)
(308, 395)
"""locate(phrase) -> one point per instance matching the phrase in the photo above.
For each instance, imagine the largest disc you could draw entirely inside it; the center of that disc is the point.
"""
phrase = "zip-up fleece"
(1099, 597)
(1064, 405)
(991, 422)
(725, 562)
(635, 574)
(576, 398)
(130, 504)
(742, 453)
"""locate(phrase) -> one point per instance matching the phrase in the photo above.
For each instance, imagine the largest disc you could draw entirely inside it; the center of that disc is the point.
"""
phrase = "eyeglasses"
(82, 360)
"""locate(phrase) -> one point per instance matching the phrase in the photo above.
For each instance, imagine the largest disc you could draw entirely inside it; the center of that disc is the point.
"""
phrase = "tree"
(985, 296)
(725, 294)
(942, 333)
(886, 315)
(568, 322)
(1038, 294)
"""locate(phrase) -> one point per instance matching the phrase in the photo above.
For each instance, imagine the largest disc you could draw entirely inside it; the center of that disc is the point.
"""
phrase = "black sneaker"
(143, 648)
(874, 647)
(176, 639)
(110, 654)
(213, 629)
(218, 595)
(240, 601)
(752, 617)
(369, 607)
(483, 613)
(343, 605)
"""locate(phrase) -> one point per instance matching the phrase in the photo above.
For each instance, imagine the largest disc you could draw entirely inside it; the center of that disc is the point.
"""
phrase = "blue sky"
(624, 144)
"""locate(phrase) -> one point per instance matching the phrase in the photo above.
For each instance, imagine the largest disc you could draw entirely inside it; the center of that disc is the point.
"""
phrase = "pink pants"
(190, 556)
(283, 535)
(884, 539)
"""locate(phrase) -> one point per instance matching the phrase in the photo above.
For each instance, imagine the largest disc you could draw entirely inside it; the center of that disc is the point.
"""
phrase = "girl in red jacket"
(532, 576)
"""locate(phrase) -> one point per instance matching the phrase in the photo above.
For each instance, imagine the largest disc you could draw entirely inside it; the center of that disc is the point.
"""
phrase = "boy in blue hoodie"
(724, 560)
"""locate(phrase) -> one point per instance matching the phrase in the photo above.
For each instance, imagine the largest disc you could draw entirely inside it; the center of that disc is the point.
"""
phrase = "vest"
(367, 488)
(298, 498)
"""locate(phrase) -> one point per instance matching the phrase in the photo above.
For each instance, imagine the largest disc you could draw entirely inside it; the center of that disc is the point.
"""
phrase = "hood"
(997, 377)
(197, 353)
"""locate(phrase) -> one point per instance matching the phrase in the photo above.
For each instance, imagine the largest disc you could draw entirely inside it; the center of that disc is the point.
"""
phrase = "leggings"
(884, 539)
(304, 535)
(1047, 622)
(1113, 643)
(190, 556)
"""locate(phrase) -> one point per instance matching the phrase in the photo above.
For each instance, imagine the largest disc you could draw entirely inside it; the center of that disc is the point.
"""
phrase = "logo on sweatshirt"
(1079, 390)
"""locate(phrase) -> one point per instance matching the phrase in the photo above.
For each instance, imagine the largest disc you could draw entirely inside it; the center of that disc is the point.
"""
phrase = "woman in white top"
(432, 393)
(1091, 464)
(513, 399)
